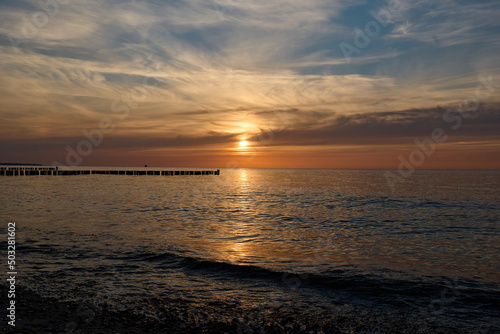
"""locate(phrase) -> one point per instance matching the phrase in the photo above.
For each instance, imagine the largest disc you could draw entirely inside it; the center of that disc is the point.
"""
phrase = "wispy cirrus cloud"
(218, 67)
(447, 22)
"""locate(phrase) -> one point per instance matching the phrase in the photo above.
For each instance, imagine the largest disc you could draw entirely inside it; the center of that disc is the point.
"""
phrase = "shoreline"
(37, 314)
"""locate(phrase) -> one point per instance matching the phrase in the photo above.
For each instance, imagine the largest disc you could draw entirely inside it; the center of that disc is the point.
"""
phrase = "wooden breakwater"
(55, 171)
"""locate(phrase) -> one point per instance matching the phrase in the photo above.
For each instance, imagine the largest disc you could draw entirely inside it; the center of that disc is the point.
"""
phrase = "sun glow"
(243, 143)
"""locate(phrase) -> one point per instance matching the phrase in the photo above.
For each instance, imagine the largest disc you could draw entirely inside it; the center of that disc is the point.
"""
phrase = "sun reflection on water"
(240, 230)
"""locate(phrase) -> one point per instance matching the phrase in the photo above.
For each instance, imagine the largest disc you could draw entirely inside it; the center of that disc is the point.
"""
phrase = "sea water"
(286, 242)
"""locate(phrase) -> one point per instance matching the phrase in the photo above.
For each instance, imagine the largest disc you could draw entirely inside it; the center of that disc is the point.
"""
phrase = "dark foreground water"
(256, 251)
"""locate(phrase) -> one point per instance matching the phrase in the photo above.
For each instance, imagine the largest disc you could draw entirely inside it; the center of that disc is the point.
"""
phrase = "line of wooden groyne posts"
(55, 171)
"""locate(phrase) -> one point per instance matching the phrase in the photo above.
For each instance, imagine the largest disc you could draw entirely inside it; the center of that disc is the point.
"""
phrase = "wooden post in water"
(36, 170)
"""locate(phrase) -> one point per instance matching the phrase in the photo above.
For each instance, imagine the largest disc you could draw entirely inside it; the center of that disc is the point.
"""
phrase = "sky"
(408, 84)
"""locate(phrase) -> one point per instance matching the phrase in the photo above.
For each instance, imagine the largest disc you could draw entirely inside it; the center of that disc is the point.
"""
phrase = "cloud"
(192, 69)
(396, 127)
(293, 128)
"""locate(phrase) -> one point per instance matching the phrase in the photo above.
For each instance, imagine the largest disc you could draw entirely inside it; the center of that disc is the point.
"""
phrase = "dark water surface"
(266, 243)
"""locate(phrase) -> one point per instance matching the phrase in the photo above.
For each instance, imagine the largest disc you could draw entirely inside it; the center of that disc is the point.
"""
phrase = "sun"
(243, 143)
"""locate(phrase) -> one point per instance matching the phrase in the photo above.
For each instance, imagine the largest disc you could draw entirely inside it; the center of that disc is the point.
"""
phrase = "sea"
(263, 250)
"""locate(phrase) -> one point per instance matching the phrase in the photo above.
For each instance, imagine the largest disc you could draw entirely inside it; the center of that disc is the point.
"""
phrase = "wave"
(458, 298)
(418, 291)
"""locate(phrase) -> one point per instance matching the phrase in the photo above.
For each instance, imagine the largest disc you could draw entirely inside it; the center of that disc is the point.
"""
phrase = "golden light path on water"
(264, 226)
(283, 220)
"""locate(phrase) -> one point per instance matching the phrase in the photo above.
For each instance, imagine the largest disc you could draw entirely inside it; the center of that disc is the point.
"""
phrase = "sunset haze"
(304, 84)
